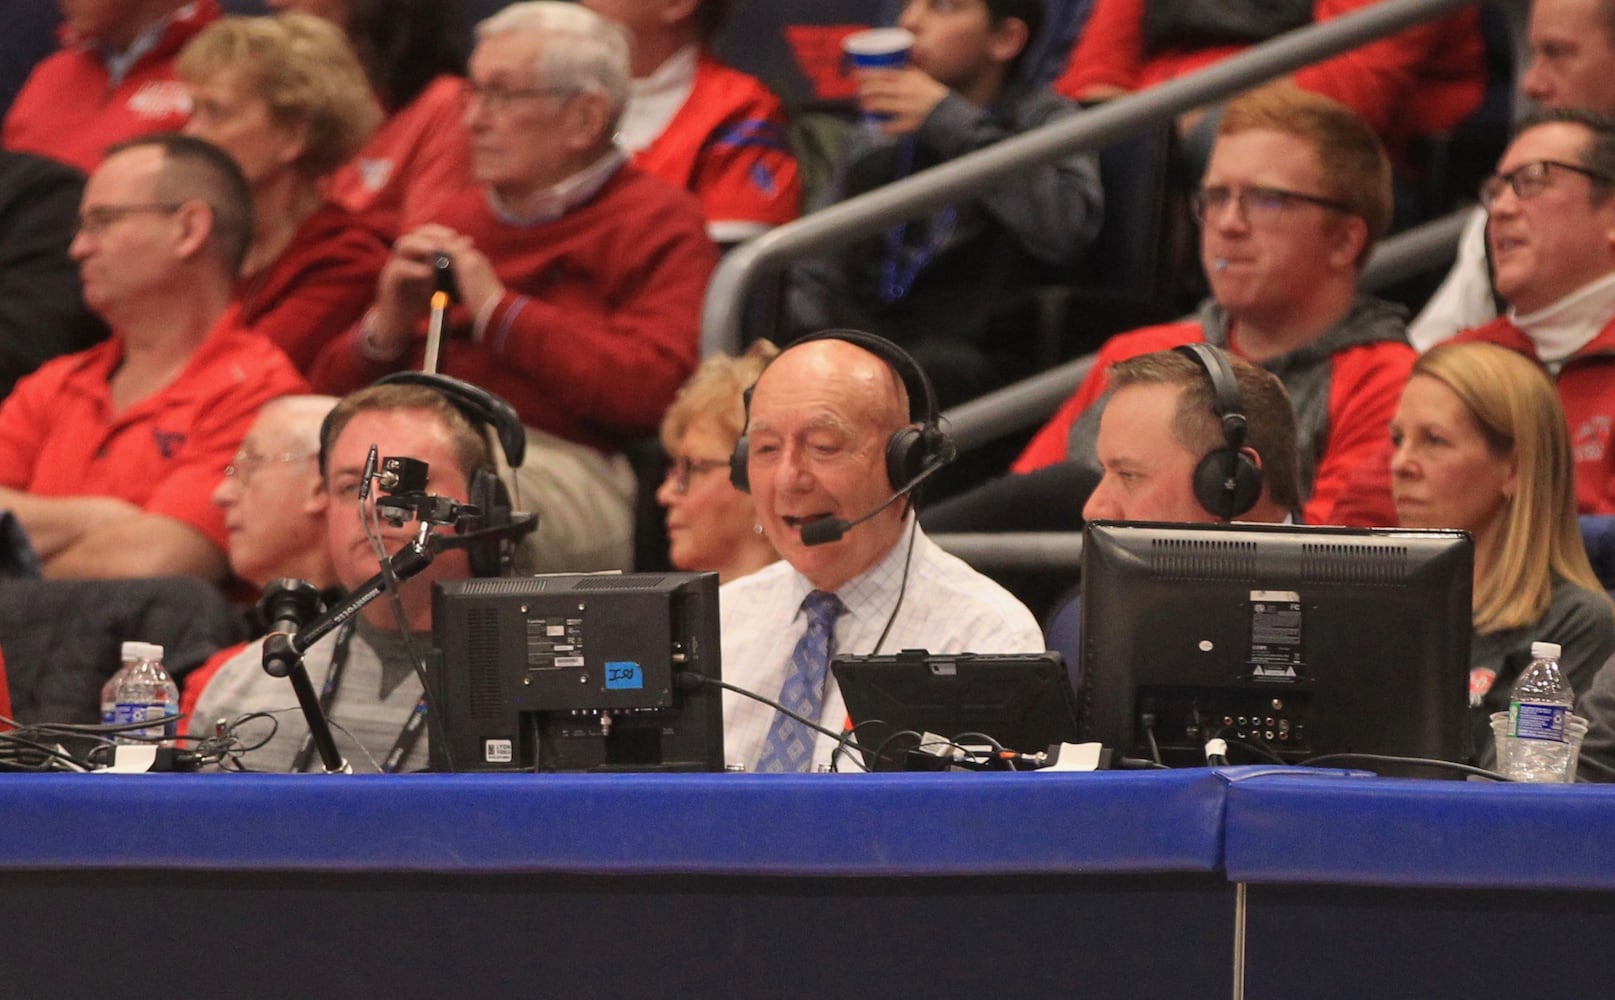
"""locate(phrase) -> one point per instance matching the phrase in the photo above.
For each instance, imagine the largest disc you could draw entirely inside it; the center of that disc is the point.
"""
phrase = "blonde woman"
(710, 524)
(286, 98)
(1482, 445)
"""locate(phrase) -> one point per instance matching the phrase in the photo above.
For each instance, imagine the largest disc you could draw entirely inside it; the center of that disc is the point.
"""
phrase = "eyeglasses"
(684, 467)
(500, 99)
(1530, 179)
(94, 221)
(245, 461)
(1258, 206)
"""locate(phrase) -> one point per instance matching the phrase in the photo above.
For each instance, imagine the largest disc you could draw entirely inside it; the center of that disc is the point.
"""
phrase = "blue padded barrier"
(831, 825)
(1337, 829)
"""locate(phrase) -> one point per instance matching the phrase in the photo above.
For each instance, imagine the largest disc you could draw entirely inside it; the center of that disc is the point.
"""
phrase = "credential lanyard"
(407, 737)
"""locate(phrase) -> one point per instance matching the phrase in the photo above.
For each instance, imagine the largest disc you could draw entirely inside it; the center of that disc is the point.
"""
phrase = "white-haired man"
(580, 277)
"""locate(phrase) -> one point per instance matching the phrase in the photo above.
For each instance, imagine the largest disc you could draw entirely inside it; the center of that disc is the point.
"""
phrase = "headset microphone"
(519, 526)
(831, 529)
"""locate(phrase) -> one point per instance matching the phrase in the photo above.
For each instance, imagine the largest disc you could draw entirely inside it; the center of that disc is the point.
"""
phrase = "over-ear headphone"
(1226, 482)
(910, 451)
(489, 537)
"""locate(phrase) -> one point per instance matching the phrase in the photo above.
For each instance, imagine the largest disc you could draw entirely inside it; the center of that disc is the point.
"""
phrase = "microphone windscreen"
(821, 532)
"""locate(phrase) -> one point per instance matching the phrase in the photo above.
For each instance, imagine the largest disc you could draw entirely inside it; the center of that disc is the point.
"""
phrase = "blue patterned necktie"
(789, 746)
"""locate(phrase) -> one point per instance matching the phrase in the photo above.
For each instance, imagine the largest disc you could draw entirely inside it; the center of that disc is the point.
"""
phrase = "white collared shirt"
(947, 607)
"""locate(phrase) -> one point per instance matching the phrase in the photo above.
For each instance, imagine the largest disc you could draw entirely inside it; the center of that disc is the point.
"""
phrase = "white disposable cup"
(879, 48)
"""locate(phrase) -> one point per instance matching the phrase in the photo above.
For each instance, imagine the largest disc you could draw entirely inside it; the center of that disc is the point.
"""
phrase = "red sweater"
(318, 287)
(1586, 384)
(1425, 79)
(727, 145)
(600, 321)
(1349, 443)
(70, 110)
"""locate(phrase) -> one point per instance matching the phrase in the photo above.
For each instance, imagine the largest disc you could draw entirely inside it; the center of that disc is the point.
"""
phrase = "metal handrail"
(1089, 130)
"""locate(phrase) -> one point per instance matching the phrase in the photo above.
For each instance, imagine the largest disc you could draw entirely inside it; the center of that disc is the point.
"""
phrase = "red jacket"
(71, 110)
(1586, 384)
(1345, 388)
(726, 145)
(1425, 79)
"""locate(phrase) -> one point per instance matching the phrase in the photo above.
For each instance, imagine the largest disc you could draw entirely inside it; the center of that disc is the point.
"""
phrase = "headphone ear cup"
(905, 456)
(1227, 483)
(490, 556)
(739, 473)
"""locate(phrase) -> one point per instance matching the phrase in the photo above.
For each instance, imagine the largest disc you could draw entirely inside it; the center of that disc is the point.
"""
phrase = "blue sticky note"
(624, 675)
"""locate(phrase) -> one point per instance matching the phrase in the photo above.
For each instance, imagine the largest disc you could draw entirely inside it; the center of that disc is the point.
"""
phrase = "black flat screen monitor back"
(1021, 700)
(576, 672)
(1294, 641)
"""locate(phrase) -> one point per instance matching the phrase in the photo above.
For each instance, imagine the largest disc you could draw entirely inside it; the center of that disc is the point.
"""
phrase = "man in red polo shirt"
(109, 457)
(112, 80)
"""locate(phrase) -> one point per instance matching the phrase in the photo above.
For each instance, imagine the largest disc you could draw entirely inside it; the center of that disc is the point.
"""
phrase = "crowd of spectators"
(205, 216)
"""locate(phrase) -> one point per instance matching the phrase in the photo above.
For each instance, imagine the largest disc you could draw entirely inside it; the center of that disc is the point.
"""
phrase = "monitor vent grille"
(499, 585)
(1202, 558)
(482, 660)
(1376, 565)
(612, 581)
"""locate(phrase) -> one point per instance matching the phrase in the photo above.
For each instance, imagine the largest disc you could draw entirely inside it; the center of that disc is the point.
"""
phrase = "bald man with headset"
(841, 426)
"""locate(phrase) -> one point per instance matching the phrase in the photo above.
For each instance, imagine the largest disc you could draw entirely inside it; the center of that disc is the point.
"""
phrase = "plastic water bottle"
(132, 653)
(146, 693)
(1537, 712)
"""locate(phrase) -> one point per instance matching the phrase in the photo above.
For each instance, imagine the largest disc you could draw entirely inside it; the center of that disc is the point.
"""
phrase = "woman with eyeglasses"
(710, 524)
(1481, 444)
(285, 97)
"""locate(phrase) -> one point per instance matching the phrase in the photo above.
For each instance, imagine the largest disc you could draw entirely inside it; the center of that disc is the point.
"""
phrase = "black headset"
(911, 452)
(1226, 482)
(490, 536)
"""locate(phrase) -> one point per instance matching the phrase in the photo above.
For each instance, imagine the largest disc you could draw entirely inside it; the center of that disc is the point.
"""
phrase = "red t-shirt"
(165, 453)
(70, 110)
(416, 160)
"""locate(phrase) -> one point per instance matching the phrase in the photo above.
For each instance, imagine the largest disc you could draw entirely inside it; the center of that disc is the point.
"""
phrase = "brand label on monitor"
(498, 751)
(624, 675)
(1276, 636)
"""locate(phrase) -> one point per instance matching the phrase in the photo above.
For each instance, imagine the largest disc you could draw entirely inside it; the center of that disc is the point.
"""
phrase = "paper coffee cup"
(878, 48)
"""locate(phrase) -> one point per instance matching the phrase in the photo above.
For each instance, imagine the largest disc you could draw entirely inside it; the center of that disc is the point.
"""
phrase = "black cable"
(840, 738)
(902, 587)
(1375, 758)
(850, 741)
(880, 751)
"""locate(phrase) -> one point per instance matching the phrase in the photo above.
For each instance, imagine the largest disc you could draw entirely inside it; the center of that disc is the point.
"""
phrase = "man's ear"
(316, 500)
(587, 117)
(196, 226)
(1346, 248)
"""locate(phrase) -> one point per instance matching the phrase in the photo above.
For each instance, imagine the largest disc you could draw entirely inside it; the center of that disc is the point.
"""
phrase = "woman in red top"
(286, 98)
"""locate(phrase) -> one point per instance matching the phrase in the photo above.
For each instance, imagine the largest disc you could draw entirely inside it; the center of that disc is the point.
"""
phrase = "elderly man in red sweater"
(580, 278)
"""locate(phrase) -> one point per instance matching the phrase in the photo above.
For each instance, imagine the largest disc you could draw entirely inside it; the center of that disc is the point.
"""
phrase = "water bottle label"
(1533, 721)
